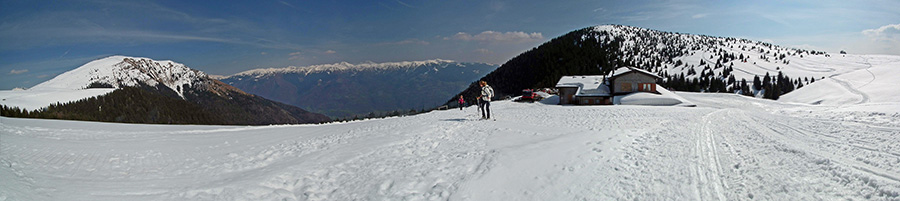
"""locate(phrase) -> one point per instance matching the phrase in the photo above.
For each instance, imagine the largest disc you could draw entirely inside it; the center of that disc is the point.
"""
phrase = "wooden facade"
(567, 95)
(633, 81)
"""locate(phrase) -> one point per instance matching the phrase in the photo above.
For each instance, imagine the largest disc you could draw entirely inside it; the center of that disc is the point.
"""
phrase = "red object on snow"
(528, 94)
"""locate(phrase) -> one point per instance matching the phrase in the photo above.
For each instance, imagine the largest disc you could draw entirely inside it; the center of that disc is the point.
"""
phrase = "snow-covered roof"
(588, 85)
(601, 90)
(624, 70)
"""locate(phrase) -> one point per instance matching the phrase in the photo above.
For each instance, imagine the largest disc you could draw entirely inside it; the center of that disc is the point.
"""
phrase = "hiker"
(462, 102)
(484, 101)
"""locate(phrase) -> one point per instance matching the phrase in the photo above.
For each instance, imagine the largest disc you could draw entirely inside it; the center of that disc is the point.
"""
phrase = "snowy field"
(728, 147)
(835, 139)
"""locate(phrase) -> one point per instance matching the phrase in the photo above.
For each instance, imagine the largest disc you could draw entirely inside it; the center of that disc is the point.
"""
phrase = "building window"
(646, 87)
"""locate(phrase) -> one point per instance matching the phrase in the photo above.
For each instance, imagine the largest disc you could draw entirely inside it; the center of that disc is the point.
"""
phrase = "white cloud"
(287, 4)
(483, 51)
(698, 16)
(16, 72)
(61, 27)
(413, 41)
(777, 19)
(889, 32)
(330, 52)
(497, 6)
(405, 4)
(407, 42)
(882, 40)
(295, 55)
(493, 36)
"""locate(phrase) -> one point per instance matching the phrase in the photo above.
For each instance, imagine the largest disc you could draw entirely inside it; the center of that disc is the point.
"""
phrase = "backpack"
(488, 92)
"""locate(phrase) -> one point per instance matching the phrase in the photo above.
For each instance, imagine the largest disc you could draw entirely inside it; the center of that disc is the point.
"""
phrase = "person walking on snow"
(462, 102)
(485, 99)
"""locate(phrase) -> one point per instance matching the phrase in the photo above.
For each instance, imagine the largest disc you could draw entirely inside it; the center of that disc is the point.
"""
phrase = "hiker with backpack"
(484, 101)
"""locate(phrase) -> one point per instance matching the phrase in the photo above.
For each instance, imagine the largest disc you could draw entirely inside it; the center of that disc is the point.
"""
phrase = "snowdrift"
(665, 98)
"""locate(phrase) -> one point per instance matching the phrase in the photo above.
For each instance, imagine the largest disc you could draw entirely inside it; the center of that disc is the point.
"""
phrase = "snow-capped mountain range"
(345, 67)
(119, 71)
(345, 90)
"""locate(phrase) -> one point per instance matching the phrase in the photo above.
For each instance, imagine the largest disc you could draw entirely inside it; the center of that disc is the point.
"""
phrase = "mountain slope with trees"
(161, 92)
(687, 62)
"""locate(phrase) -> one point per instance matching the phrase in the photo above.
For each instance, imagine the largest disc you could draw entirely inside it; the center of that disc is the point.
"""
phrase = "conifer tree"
(756, 83)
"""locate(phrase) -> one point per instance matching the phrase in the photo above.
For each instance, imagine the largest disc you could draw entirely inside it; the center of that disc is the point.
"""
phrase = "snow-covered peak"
(344, 66)
(608, 27)
(118, 71)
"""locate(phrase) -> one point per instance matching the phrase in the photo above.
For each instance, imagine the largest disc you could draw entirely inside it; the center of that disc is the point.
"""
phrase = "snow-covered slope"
(871, 79)
(33, 99)
(832, 79)
(687, 62)
(644, 46)
(118, 71)
(700, 56)
(729, 147)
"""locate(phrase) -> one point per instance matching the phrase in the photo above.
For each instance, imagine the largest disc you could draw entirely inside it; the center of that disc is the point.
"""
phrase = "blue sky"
(41, 39)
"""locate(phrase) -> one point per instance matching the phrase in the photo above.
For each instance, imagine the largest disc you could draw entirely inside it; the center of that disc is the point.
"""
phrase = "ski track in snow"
(864, 98)
(869, 64)
(728, 148)
(708, 166)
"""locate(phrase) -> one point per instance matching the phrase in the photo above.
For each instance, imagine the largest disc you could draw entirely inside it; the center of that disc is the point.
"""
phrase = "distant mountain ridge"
(342, 67)
(342, 90)
(149, 91)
